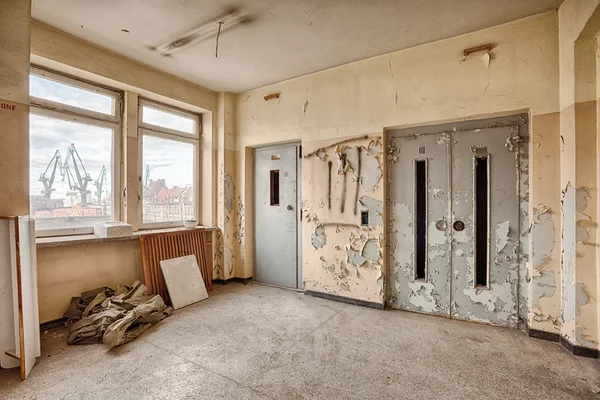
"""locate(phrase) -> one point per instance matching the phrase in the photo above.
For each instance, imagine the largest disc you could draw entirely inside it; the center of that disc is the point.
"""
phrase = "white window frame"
(65, 112)
(146, 129)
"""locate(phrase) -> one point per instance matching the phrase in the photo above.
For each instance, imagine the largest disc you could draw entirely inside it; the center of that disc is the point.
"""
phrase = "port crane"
(99, 182)
(147, 176)
(48, 182)
(80, 180)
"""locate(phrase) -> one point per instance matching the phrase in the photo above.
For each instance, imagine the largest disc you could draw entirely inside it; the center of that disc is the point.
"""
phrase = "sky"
(169, 160)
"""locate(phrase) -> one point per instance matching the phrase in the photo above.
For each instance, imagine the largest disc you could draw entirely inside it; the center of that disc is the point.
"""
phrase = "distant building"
(162, 203)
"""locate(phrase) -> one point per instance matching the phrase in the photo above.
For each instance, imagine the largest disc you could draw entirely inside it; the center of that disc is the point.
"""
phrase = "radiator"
(156, 247)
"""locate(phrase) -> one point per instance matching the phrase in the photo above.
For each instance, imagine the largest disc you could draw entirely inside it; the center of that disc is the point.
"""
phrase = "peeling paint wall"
(227, 249)
(543, 238)
(342, 179)
(579, 172)
(417, 86)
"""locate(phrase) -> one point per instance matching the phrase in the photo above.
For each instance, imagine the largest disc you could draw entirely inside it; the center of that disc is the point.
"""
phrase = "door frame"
(298, 145)
(521, 119)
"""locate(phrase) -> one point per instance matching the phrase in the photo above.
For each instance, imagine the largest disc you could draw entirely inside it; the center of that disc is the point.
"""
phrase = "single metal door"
(419, 235)
(486, 225)
(276, 215)
(455, 221)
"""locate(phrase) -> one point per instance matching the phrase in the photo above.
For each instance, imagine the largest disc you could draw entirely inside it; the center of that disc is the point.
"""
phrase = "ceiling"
(283, 38)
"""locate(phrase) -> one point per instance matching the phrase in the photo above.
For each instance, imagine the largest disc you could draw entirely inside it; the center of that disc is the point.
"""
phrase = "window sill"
(61, 241)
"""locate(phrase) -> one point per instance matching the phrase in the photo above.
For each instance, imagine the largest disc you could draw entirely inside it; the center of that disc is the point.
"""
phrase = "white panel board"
(31, 322)
(7, 317)
(184, 281)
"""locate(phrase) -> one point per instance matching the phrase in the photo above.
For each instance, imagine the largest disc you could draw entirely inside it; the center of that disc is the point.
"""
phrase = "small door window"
(482, 213)
(420, 218)
(274, 187)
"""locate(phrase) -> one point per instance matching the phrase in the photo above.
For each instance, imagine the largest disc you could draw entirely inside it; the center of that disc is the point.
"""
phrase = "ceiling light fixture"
(208, 29)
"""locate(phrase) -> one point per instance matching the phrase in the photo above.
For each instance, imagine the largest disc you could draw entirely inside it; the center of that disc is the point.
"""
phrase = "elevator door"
(454, 227)
(276, 215)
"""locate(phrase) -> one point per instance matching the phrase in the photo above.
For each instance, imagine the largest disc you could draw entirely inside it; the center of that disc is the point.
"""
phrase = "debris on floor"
(114, 317)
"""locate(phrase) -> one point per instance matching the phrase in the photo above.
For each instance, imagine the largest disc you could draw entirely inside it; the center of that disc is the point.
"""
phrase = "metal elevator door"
(454, 226)
(276, 215)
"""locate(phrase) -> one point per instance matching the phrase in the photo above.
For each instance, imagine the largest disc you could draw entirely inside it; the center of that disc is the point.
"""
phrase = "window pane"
(168, 181)
(167, 120)
(70, 173)
(59, 92)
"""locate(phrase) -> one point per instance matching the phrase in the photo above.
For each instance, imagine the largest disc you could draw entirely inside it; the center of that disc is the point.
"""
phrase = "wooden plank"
(13, 354)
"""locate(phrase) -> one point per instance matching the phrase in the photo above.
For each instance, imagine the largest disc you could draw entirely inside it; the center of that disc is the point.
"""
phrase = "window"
(169, 164)
(74, 131)
(275, 188)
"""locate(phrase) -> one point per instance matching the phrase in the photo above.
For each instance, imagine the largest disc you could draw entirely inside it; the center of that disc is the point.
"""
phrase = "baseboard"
(57, 323)
(346, 300)
(232, 280)
(576, 350)
(550, 336)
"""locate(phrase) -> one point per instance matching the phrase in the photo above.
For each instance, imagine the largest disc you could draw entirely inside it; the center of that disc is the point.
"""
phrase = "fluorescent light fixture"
(206, 30)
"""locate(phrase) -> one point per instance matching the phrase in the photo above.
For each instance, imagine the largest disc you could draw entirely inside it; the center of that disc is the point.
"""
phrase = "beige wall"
(14, 107)
(67, 271)
(64, 272)
(578, 166)
(423, 85)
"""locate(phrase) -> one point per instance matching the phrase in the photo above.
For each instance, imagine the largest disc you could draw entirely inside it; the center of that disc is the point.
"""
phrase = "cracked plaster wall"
(420, 85)
(579, 172)
(229, 241)
(342, 257)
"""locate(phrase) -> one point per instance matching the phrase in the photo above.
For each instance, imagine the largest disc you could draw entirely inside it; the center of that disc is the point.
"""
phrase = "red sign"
(9, 107)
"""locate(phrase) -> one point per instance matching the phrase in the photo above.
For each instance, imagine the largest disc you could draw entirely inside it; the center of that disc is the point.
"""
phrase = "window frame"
(51, 109)
(146, 129)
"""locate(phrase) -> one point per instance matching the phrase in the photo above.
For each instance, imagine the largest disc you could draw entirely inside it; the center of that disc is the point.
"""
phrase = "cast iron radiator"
(156, 247)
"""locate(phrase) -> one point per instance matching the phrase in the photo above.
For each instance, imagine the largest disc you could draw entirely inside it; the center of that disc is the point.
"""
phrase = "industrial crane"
(80, 180)
(147, 176)
(48, 182)
(98, 183)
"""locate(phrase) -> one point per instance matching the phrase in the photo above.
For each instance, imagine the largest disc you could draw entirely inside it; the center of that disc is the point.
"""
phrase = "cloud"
(168, 159)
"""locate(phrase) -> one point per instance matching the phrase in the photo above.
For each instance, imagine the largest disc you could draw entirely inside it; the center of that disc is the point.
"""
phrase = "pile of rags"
(113, 317)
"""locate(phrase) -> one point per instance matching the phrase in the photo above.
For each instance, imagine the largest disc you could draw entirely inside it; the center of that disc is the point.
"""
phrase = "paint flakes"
(542, 232)
(228, 192)
(584, 339)
(375, 209)
(502, 231)
(321, 153)
(500, 298)
(422, 296)
(582, 296)
(319, 239)
(544, 284)
(581, 196)
(443, 138)
(369, 253)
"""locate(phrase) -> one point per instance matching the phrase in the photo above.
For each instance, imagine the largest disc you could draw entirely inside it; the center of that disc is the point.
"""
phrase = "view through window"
(71, 155)
(169, 142)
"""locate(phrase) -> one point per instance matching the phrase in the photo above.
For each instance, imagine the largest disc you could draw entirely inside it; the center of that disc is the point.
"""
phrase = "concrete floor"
(254, 342)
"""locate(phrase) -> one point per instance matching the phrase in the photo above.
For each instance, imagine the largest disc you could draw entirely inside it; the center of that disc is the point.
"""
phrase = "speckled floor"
(254, 342)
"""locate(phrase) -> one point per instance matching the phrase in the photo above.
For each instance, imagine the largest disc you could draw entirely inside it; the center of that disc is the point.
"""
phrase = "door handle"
(441, 225)
(458, 226)
(289, 207)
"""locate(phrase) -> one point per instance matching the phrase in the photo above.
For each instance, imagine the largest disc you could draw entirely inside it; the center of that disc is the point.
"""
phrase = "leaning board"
(184, 281)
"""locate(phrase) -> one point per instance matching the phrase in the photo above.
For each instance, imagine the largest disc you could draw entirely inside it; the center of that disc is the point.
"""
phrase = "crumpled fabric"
(79, 305)
(124, 313)
(136, 322)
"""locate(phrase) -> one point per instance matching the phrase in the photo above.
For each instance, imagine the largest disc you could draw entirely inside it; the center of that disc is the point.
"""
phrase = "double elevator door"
(455, 220)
